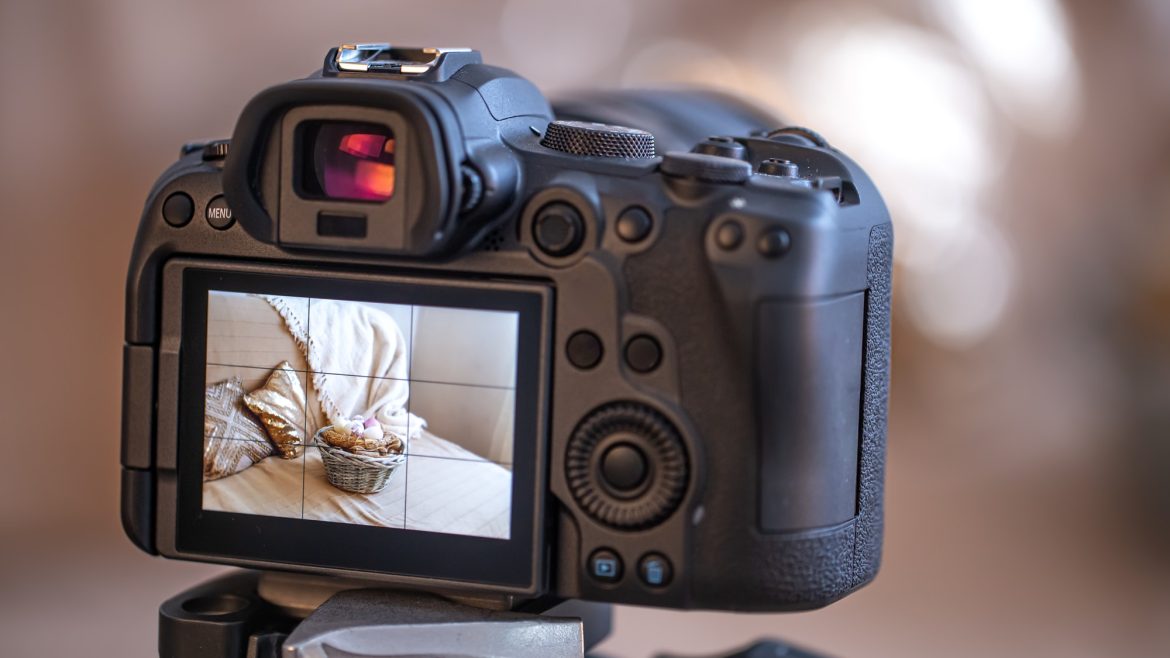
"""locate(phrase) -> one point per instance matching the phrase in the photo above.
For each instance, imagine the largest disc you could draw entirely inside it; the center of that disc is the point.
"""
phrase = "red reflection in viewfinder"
(362, 145)
(360, 168)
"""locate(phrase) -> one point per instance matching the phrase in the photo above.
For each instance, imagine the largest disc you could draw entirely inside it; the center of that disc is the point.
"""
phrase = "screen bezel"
(384, 551)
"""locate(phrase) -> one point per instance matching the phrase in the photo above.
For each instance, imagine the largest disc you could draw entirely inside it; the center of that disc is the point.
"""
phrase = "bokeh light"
(1023, 49)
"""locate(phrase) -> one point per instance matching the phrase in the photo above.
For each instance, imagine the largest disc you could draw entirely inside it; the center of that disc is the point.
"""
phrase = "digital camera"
(412, 325)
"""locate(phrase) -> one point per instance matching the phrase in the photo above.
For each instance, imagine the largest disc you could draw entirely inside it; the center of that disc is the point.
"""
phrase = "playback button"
(605, 566)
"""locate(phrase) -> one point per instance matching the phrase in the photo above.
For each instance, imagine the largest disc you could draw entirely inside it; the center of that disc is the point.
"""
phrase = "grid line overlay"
(309, 444)
(306, 371)
(406, 466)
(305, 391)
(448, 469)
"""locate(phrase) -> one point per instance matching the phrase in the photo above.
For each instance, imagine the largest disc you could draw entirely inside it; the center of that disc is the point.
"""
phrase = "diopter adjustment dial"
(626, 466)
(598, 140)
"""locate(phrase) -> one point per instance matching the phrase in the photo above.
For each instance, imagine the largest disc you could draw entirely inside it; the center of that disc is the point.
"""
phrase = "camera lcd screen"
(391, 415)
(378, 425)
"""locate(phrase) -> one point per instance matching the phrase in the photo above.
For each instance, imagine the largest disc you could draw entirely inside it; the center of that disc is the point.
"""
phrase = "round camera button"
(654, 570)
(178, 209)
(643, 353)
(729, 235)
(218, 214)
(634, 224)
(558, 229)
(774, 243)
(624, 467)
(722, 146)
(779, 167)
(584, 349)
(605, 566)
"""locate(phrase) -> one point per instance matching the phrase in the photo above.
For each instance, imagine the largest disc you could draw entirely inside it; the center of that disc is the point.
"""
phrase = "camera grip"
(808, 388)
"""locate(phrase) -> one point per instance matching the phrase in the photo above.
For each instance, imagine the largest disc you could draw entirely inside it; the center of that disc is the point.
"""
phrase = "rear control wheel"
(626, 466)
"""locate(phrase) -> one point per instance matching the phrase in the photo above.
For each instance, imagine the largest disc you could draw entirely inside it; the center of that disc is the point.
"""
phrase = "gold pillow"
(232, 437)
(280, 404)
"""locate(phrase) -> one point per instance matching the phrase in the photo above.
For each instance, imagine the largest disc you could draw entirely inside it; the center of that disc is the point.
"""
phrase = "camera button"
(605, 566)
(643, 353)
(218, 214)
(558, 229)
(779, 167)
(624, 467)
(729, 235)
(722, 146)
(634, 224)
(584, 349)
(655, 570)
(178, 209)
(774, 243)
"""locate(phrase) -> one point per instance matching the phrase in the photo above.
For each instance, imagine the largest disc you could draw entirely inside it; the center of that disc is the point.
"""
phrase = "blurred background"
(1024, 150)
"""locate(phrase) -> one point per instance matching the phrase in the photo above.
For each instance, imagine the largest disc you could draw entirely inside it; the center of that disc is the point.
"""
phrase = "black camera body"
(687, 408)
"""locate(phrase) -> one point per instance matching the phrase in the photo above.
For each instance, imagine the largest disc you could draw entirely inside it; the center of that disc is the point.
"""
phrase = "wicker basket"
(356, 473)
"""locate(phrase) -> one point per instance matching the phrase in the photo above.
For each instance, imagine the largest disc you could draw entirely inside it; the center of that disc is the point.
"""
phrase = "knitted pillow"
(232, 437)
(280, 405)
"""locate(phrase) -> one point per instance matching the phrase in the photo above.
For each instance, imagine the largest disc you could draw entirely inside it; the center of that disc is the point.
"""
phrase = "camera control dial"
(598, 140)
(626, 466)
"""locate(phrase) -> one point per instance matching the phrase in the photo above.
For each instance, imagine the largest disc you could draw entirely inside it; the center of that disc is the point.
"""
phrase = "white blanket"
(341, 339)
(457, 493)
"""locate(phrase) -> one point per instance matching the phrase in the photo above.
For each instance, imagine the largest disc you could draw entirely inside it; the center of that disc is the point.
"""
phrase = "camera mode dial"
(598, 140)
(626, 466)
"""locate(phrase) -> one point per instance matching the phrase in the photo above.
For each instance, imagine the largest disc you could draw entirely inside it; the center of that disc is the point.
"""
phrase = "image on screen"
(389, 415)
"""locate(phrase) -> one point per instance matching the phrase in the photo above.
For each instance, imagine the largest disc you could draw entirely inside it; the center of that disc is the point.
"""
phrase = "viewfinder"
(346, 161)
